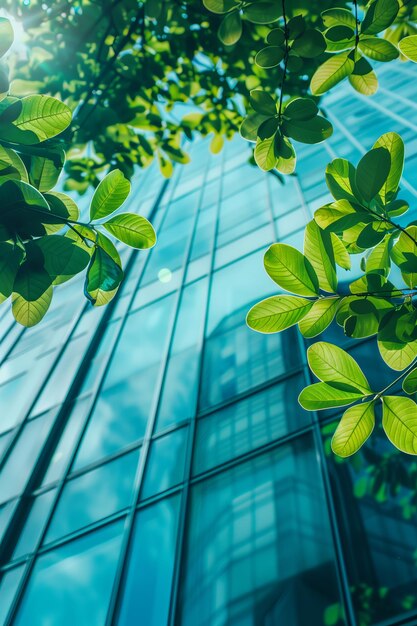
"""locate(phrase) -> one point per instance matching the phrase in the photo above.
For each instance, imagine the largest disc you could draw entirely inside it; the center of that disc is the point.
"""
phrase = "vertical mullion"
(116, 596)
(185, 500)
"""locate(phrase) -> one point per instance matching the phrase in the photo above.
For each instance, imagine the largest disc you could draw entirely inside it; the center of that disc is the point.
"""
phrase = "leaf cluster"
(362, 219)
(42, 241)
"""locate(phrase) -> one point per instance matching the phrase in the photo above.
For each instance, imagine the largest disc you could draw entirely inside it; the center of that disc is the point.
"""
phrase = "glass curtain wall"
(155, 467)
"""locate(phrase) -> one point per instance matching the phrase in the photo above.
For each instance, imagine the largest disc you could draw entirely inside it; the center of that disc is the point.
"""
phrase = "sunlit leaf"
(291, 270)
(399, 420)
(332, 364)
(131, 229)
(109, 195)
(277, 313)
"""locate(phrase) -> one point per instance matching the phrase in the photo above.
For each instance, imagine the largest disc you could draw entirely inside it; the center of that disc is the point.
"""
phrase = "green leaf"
(341, 255)
(11, 166)
(219, 6)
(268, 57)
(263, 12)
(340, 179)
(230, 29)
(395, 146)
(285, 153)
(277, 313)
(341, 215)
(301, 109)
(250, 125)
(372, 172)
(332, 72)
(103, 278)
(379, 15)
(408, 47)
(354, 429)
(32, 294)
(264, 153)
(61, 255)
(44, 171)
(109, 195)
(326, 396)
(310, 44)
(395, 351)
(310, 131)
(262, 102)
(404, 255)
(10, 259)
(296, 26)
(359, 326)
(34, 119)
(131, 229)
(378, 49)
(337, 17)
(319, 317)
(399, 420)
(410, 382)
(363, 78)
(379, 261)
(318, 249)
(291, 270)
(6, 35)
(275, 37)
(334, 365)
(23, 210)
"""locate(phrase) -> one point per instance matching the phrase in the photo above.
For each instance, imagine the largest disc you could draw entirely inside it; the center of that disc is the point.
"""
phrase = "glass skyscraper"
(156, 468)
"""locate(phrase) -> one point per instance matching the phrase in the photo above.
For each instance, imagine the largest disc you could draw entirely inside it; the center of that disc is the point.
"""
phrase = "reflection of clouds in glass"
(94, 495)
(71, 585)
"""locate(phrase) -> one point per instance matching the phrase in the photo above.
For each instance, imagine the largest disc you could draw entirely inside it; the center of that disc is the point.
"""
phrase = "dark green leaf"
(379, 15)
(230, 29)
(310, 131)
(262, 102)
(103, 278)
(372, 172)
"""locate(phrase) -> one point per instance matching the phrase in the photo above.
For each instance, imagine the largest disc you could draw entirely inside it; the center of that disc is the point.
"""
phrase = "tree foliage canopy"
(118, 83)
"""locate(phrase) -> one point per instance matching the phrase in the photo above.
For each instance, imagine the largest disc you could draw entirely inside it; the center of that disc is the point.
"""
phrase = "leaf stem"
(287, 50)
(404, 373)
(355, 2)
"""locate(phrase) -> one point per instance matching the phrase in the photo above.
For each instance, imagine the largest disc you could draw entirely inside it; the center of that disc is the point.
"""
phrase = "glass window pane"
(165, 467)
(19, 465)
(94, 495)
(249, 424)
(122, 410)
(67, 441)
(149, 578)
(259, 536)
(8, 587)
(179, 392)
(237, 359)
(6, 512)
(72, 584)
(34, 524)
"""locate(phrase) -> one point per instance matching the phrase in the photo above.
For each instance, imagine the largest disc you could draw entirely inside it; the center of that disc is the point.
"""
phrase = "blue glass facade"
(155, 466)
